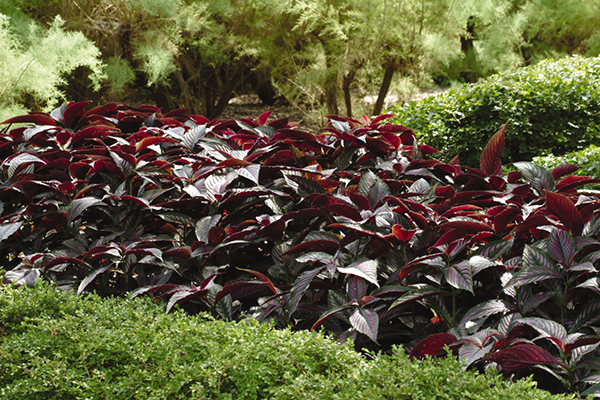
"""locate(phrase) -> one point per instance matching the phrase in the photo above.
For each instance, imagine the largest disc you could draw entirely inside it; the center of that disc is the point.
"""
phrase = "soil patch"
(250, 106)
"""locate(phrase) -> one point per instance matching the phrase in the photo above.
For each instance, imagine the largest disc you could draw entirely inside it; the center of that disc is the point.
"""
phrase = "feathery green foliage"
(35, 65)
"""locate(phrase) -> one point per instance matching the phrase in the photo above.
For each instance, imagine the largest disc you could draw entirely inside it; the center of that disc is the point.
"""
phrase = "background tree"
(35, 61)
(197, 54)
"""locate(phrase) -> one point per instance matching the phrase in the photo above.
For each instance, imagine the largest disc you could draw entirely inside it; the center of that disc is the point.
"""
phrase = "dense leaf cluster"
(354, 230)
(549, 107)
(58, 346)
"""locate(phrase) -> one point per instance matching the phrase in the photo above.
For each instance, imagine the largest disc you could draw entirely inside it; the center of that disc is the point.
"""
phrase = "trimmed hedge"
(551, 106)
(588, 161)
(54, 345)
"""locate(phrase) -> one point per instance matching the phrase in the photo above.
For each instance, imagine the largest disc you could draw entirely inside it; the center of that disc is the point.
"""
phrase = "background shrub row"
(551, 107)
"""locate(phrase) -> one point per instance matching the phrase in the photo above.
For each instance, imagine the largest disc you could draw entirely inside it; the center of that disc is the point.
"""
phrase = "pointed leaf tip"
(490, 158)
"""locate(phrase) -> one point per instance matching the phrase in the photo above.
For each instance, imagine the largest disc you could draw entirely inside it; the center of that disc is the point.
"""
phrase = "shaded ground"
(250, 106)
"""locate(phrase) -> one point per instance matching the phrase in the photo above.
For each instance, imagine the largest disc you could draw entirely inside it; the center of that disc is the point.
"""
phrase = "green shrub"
(54, 345)
(554, 105)
(588, 161)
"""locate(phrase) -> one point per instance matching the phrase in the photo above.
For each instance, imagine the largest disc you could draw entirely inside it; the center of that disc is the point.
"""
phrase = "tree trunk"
(348, 79)
(385, 85)
(331, 91)
(226, 92)
(331, 74)
(207, 101)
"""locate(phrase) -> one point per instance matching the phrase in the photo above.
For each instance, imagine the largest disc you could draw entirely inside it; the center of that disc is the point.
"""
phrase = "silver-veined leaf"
(299, 288)
(561, 246)
(539, 177)
(6, 230)
(459, 276)
(78, 206)
(363, 268)
(88, 279)
(365, 321)
(484, 310)
(373, 188)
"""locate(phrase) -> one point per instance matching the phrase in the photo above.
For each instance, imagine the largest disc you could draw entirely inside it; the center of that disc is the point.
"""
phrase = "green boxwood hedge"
(553, 105)
(588, 161)
(54, 345)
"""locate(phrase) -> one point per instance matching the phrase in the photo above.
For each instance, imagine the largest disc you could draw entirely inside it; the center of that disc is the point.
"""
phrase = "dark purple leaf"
(484, 310)
(416, 294)
(561, 246)
(563, 208)
(23, 276)
(562, 170)
(160, 287)
(73, 112)
(93, 131)
(240, 290)
(65, 260)
(580, 342)
(589, 313)
(467, 226)
(572, 181)
(460, 276)
(479, 263)
(366, 269)
(7, 229)
(326, 246)
(433, 260)
(470, 352)
(532, 302)
(183, 296)
(373, 188)
(537, 176)
(432, 345)
(344, 160)
(364, 229)
(328, 314)
(88, 279)
(532, 275)
(365, 321)
(490, 162)
(305, 187)
(21, 159)
(389, 291)
(344, 209)
(299, 288)
(547, 329)
(536, 258)
(506, 217)
(356, 288)
(78, 206)
(263, 279)
(521, 356)
(34, 118)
